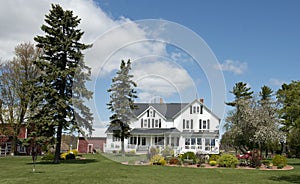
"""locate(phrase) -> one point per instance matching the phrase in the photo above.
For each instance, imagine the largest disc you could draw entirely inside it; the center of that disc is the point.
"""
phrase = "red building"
(6, 138)
(91, 144)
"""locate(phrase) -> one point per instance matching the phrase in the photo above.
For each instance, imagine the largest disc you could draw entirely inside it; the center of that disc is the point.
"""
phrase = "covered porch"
(144, 139)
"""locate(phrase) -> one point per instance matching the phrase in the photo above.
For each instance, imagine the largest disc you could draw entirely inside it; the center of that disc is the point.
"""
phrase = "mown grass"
(98, 169)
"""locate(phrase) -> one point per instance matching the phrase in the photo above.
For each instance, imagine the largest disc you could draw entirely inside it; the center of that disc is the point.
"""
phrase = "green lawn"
(98, 169)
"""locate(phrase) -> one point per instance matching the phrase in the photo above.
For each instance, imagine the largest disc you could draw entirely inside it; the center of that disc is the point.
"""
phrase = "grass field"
(98, 169)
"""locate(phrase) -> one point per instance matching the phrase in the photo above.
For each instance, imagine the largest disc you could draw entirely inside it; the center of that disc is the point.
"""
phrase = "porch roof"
(154, 131)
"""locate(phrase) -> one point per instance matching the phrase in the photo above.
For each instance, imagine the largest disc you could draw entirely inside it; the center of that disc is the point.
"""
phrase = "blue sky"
(261, 39)
(257, 42)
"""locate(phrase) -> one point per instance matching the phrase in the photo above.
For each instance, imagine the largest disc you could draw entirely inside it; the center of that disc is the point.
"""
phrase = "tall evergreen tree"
(61, 86)
(121, 102)
(240, 91)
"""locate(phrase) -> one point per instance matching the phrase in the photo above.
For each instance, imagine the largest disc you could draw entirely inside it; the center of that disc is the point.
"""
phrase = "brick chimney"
(161, 100)
(202, 100)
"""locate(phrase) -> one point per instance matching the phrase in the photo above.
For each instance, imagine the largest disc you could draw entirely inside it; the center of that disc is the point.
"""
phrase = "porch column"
(150, 140)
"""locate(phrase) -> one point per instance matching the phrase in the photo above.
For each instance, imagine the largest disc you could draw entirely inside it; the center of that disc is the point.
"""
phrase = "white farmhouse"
(182, 126)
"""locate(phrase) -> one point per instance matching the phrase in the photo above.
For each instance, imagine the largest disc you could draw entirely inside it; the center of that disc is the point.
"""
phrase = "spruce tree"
(61, 87)
(122, 102)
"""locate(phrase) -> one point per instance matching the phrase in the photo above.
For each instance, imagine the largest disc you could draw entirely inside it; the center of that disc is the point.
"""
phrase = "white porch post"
(150, 140)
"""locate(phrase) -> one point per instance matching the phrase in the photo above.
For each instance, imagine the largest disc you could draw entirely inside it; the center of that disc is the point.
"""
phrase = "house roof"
(154, 131)
(168, 110)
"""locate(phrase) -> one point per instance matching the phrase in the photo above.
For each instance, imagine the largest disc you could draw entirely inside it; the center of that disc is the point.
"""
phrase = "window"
(148, 123)
(187, 124)
(192, 126)
(143, 141)
(116, 139)
(193, 141)
(156, 123)
(183, 124)
(153, 113)
(207, 144)
(147, 113)
(142, 123)
(199, 141)
(208, 122)
(159, 140)
(152, 123)
(191, 110)
(204, 124)
(194, 109)
(212, 142)
(201, 109)
(198, 109)
(159, 123)
(145, 123)
(200, 124)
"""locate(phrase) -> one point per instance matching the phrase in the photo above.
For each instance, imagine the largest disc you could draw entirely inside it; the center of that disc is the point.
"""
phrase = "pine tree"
(61, 87)
(122, 102)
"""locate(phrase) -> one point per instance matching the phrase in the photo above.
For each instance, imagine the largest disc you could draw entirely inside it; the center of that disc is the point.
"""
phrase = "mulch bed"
(287, 167)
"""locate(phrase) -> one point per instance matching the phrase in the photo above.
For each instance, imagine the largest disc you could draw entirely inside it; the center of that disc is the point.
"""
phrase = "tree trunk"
(122, 146)
(58, 144)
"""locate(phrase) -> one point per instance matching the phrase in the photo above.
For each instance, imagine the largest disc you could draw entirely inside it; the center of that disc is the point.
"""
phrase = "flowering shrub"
(228, 160)
(279, 159)
(213, 157)
(158, 160)
(69, 155)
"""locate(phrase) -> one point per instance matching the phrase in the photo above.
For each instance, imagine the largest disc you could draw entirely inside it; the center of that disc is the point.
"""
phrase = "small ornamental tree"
(121, 104)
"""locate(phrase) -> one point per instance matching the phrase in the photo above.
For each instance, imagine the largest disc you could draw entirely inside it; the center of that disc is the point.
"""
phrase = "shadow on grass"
(288, 178)
(79, 161)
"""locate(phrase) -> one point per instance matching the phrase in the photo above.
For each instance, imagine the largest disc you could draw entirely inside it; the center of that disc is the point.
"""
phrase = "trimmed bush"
(266, 162)
(279, 159)
(213, 163)
(228, 160)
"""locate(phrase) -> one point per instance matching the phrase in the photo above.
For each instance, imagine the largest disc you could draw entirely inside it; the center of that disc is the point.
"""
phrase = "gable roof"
(196, 101)
(168, 110)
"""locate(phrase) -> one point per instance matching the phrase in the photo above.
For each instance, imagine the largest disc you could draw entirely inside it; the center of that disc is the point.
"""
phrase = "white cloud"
(113, 39)
(276, 82)
(235, 67)
(160, 78)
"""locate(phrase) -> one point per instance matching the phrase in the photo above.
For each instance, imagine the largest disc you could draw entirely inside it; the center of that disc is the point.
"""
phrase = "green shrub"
(213, 158)
(280, 166)
(279, 159)
(212, 163)
(48, 156)
(228, 160)
(158, 160)
(189, 156)
(266, 162)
